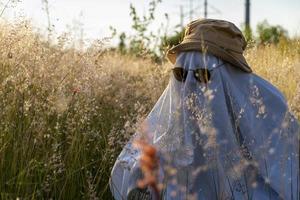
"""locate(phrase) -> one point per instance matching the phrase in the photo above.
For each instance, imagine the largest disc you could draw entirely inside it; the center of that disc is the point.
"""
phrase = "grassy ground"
(65, 114)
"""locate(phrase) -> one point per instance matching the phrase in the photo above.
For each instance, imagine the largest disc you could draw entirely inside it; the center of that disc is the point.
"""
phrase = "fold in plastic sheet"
(232, 138)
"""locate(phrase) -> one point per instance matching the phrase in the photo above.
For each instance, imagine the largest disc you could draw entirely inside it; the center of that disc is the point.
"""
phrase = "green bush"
(270, 34)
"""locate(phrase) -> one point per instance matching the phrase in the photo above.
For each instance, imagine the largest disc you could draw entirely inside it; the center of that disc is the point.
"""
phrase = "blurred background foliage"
(155, 45)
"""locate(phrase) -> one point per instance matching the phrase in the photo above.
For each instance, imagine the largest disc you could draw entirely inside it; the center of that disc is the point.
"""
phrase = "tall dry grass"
(280, 65)
(66, 114)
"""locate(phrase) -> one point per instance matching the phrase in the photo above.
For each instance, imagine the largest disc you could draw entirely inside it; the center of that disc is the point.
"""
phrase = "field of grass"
(66, 114)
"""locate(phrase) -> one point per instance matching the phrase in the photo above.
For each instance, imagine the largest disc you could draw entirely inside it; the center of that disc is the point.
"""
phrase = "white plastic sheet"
(232, 138)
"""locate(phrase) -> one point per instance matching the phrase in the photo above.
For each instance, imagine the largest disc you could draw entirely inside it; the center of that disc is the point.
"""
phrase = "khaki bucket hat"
(218, 37)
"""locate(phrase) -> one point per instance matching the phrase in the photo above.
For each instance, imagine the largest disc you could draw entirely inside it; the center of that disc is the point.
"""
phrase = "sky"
(96, 16)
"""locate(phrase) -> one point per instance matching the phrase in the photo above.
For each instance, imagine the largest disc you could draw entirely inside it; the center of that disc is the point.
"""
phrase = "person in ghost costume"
(221, 131)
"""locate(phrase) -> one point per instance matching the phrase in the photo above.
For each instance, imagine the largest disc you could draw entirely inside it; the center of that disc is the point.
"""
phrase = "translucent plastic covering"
(232, 138)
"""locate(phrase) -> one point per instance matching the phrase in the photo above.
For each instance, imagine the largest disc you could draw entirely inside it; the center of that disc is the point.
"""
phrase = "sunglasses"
(201, 75)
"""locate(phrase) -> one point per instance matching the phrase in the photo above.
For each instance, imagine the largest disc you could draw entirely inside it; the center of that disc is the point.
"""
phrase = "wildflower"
(149, 165)
(76, 90)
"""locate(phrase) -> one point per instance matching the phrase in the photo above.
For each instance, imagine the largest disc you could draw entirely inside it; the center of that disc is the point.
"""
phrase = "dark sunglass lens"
(179, 74)
(202, 75)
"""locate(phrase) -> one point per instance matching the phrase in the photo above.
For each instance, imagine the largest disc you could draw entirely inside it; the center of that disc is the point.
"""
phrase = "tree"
(270, 34)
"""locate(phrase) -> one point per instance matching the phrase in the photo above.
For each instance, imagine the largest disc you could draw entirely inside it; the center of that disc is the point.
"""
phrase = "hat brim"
(232, 57)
